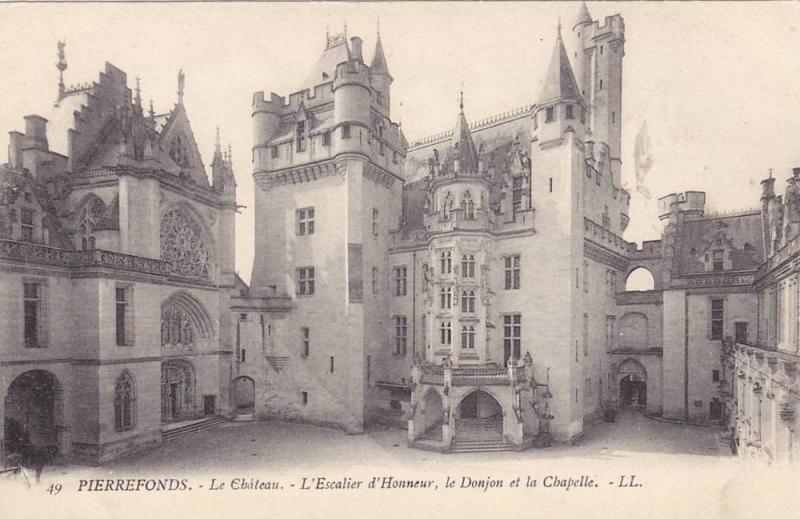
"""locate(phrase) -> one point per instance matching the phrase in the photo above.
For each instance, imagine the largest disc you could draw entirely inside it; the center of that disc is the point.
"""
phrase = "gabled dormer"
(179, 152)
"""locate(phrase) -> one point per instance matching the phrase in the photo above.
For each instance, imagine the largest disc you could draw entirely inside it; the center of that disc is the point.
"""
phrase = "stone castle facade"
(474, 286)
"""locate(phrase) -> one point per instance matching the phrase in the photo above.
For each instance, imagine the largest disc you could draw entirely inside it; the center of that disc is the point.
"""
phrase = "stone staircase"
(479, 435)
(434, 432)
(191, 427)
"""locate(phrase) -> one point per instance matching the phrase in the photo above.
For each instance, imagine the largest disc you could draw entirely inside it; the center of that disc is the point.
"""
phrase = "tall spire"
(181, 85)
(583, 16)
(559, 82)
(217, 146)
(61, 66)
(378, 65)
(462, 155)
(138, 97)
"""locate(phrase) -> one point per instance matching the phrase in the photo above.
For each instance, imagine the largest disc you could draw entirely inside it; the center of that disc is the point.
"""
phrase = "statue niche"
(177, 330)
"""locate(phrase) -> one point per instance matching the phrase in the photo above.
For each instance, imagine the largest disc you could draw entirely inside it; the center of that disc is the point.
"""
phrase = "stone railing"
(432, 374)
(713, 279)
(787, 251)
(74, 259)
(487, 375)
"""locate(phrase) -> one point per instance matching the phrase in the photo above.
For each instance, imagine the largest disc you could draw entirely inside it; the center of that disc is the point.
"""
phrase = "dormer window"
(326, 139)
(325, 76)
(570, 114)
(300, 135)
(346, 131)
(550, 114)
(27, 225)
(274, 150)
(718, 256)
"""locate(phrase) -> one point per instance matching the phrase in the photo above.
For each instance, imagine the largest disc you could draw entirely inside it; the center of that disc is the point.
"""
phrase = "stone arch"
(34, 412)
(184, 320)
(633, 331)
(433, 411)
(187, 242)
(91, 210)
(479, 416)
(632, 383)
(639, 279)
(178, 388)
(243, 389)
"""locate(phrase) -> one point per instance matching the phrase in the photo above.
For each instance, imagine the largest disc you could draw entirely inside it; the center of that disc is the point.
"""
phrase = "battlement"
(351, 72)
(648, 249)
(516, 113)
(274, 105)
(688, 201)
(613, 25)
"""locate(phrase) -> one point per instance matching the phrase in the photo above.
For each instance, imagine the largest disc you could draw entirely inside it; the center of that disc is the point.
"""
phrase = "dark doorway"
(244, 398)
(715, 409)
(632, 392)
(33, 412)
(469, 406)
(741, 332)
(209, 404)
(479, 418)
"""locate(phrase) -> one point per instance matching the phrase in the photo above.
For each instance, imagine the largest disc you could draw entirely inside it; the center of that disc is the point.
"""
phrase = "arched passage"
(639, 279)
(434, 410)
(244, 395)
(177, 390)
(479, 417)
(34, 410)
(632, 381)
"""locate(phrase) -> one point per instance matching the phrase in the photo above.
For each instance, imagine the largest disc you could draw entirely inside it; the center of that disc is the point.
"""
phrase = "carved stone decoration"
(179, 152)
(177, 329)
(183, 246)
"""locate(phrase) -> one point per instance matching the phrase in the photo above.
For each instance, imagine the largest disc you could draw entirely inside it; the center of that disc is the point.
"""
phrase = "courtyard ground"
(639, 468)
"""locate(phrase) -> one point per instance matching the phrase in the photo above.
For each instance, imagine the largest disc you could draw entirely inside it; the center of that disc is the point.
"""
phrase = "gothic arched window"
(183, 245)
(124, 402)
(468, 301)
(468, 265)
(91, 214)
(468, 206)
(445, 260)
(446, 294)
(468, 337)
(446, 333)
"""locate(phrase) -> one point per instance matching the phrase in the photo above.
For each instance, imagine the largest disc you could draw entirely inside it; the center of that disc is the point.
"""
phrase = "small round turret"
(352, 101)
(266, 120)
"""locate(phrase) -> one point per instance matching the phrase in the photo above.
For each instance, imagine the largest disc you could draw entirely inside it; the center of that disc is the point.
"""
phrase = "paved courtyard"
(274, 445)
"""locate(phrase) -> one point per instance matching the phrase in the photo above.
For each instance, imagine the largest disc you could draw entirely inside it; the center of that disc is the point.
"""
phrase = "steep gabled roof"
(559, 82)
(324, 69)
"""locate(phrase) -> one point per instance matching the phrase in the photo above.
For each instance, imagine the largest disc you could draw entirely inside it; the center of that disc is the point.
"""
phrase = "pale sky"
(717, 83)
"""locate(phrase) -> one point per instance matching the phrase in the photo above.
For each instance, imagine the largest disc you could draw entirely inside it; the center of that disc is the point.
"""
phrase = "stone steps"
(191, 428)
(481, 446)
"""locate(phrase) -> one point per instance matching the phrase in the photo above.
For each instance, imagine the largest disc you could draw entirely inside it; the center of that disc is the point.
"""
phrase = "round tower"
(352, 99)
(266, 121)
(580, 33)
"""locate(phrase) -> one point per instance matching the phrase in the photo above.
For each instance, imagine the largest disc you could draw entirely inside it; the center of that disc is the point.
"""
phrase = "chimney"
(355, 49)
(768, 188)
(15, 149)
(35, 133)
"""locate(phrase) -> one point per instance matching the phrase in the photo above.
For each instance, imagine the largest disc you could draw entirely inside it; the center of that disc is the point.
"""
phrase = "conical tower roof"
(462, 147)
(559, 82)
(583, 16)
(378, 65)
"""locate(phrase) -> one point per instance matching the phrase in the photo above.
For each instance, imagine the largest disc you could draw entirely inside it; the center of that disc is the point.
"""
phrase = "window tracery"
(183, 245)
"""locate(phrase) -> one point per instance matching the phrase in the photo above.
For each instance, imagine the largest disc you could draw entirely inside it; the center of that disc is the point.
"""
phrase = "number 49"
(54, 489)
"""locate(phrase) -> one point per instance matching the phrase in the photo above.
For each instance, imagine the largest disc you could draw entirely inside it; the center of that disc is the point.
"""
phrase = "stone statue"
(186, 331)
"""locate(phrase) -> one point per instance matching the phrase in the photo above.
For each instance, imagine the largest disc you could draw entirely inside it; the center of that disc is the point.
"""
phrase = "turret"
(379, 76)
(352, 101)
(580, 30)
(266, 121)
(560, 107)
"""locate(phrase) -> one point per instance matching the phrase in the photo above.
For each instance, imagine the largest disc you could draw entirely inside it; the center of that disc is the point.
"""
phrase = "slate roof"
(742, 232)
(559, 81)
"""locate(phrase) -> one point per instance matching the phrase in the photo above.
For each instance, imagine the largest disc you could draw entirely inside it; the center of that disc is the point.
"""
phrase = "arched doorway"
(244, 395)
(434, 416)
(34, 412)
(177, 391)
(632, 384)
(479, 417)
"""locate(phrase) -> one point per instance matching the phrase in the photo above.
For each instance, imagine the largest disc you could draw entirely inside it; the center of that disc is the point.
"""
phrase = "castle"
(473, 287)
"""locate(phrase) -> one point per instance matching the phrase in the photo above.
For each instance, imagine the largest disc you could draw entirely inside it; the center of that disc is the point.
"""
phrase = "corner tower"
(598, 54)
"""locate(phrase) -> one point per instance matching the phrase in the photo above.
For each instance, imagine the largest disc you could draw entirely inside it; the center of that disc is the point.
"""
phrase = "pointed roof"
(378, 65)
(336, 51)
(462, 147)
(559, 82)
(583, 16)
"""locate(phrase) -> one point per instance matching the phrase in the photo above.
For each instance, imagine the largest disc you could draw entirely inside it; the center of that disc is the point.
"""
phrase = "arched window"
(183, 244)
(468, 337)
(124, 402)
(447, 205)
(639, 279)
(446, 262)
(446, 296)
(468, 302)
(468, 265)
(91, 214)
(468, 206)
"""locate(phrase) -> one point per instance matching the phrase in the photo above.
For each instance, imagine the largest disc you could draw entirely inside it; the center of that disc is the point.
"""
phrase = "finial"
(345, 29)
(216, 141)
(461, 102)
(379, 27)
(559, 28)
(230, 155)
(181, 85)
(770, 172)
(61, 66)
(152, 112)
(138, 91)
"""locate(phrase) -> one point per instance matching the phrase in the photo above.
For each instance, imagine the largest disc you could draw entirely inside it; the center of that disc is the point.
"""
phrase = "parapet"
(351, 72)
(686, 202)
(613, 25)
(274, 105)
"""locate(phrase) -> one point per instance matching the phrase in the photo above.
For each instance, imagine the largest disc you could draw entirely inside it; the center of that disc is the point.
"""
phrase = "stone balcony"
(487, 375)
